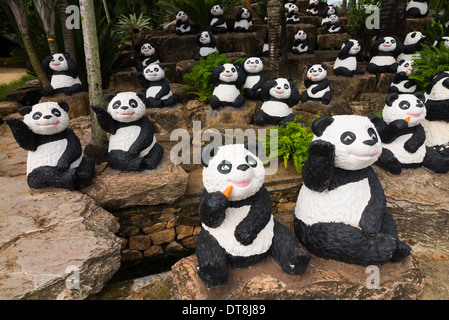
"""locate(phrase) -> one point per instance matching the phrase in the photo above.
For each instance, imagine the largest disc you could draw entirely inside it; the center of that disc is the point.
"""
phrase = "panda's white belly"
(301, 47)
(334, 29)
(405, 157)
(225, 234)
(383, 60)
(317, 95)
(154, 90)
(214, 20)
(183, 28)
(408, 56)
(422, 6)
(437, 132)
(63, 81)
(242, 24)
(146, 62)
(205, 51)
(48, 154)
(251, 81)
(276, 108)
(349, 63)
(344, 204)
(312, 11)
(227, 93)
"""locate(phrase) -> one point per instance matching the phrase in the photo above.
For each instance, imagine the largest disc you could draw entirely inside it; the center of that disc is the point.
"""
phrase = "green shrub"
(5, 88)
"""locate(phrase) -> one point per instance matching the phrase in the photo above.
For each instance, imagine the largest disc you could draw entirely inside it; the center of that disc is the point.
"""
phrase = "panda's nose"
(279, 88)
(243, 167)
(369, 142)
(124, 107)
(48, 116)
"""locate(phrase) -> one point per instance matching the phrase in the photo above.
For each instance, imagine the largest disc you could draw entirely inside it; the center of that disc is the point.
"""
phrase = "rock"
(50, 238)
(78, 103)
(331, 41)
(8, 107)
(368, 103)
(229, 115)
(165, 120)
(323, 280)
(350, 88)
(28, 94)
(336, 106)
(384, 82)
(114, 190)
(139, 242)
(124, 79)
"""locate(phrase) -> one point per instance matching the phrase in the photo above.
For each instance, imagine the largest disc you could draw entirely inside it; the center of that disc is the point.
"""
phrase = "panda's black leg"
(286, 251)
(359, 70)
(47, 176)
(326, 98)
(389, 227)
(215, 103)
(239, 101)
(47, 91)
(389, 162)
(213, 267)
(85, 173)
(76, 88)
(393, 68)
(123, 161)
(169, 102)
(153, 103)
(435, 161)
(152, 159)
(260, 118)
(290, 117)
(296, 51)
(372, 68)
(304, 96)
(413, 13)
(250, 94)
(344, 72)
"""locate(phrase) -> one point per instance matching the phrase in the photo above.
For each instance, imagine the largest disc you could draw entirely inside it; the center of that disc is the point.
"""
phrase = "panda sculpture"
(341, 208)
(317, 85)
(417, 9)
(300, 43)
(412, 45)
(312, 8)
(132, 144)
(279, 96)
(227, 78)
(255, 77)
(441, 40)
(436, 124)
(384, 52)
(207, 43)
(217, 22)
(238, 227)
(401, 82)
(243, 21)
(64, 75)
(346, 62)
(147, 55)
(293, 15)
(328, 11)
(403, 137)
(288, 3)
(333, 25)
(182, 24)
(55, 157)
(158, 91)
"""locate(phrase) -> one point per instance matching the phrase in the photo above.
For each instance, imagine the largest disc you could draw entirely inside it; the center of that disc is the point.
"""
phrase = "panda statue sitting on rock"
(132, 144)
(64, 75)
(300, 43)
(238, 227)
(158, 91)
(243, 21)
(401, 79)
(384, 52)
(293, 15)
(207, 43)
(255, 77)
(147, 54)
(182, 24)
(227, 78)
(317, 85)
(217, 20)
(341, 212)
(346, 62)
(55, 157)
(412, 45)
(312, 8)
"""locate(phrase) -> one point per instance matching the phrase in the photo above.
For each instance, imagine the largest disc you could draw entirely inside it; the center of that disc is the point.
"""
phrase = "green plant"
(293, 142)
(430, 62)
(133, 24)
(440, 7)
(433, 30)
(5, 88)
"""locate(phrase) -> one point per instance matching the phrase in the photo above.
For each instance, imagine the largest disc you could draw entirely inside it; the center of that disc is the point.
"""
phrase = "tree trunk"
(46, 10)
(69, 37)
(18, 11)
(274, 34)
(106, 10)
(393, 18)
(97, 149)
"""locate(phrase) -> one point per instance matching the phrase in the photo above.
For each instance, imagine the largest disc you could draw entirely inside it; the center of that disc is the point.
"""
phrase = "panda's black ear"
(391, 98)
(162, 65)
(109, 97)
(320, 125)
(309, 66)
(208, 153)
(141, 95)
(401, 61)
(324, 66)
(420, 96)
(254, 147)
(25, 110)
(262, 59)
(64, 106)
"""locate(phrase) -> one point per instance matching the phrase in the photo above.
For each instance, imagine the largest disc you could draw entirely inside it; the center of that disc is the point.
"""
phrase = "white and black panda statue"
(346, 62)
(328, 11)
(317, 85)
(417, 9)
(293, 15)
(147, 55)
(300, 43)
(158, 91)
(403, 137)
(217, 20)
(207, 43)
(64, 75)
(182, 24)
(384, 52)
(441, 40)
(279, 96)
(255, 77)
(238, 227)
(312, 8)
(436, 124)
(55, 157)
(341, 208)
(401, 82)
(243, 21)
(227, 78)
(333, 25)
(132, 144)
(412, 45)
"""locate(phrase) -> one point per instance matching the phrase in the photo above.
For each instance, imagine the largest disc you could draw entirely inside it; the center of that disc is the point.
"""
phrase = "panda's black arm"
(446, 83)
(307, 82)
(165, 88)
(322, 85)
(212, 208)
(265, 91)
(261, 82)
(105, 120)
(23, 135)
(345, 50)
(416, 140)
(72, 152)
(410, 83)
(388, 132)
(399, 76)
(318, 170)
(219, 21)
(295, 96)
(145, 137)
(143, 82)
(257, 218)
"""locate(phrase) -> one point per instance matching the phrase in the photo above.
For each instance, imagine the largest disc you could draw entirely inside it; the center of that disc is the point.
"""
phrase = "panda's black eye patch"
(224, 167)
(392, 41)
(133, 103)
(347, 137)
(320, 70)
(37, 116)
(251, 161)
(61, 59)
(404, 105)
(116, 105)
(233, 70)
(156, 69)
(286, 86)
(373, 135)
(257, 61)
(56, 112)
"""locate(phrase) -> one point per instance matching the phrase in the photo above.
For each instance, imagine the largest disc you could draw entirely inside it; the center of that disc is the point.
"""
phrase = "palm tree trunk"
(393, 18)
(106, 10)
(274, 34)
(46, 10)
(69, 37)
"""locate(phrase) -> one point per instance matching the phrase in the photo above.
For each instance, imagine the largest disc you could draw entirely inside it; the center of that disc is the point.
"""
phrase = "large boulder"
(78, 103)
(54, 244)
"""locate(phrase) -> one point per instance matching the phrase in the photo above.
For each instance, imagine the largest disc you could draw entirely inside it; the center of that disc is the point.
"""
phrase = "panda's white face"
(444, 40)
(388, 45)
(58, 62)
(47, 118)
(216, 10)
(181, 15)
(413, 37)
(253, 65)
(229, 73)
(126, 107)
(313, 2)
(235, 166)
(331, 11)
(406, 107)
(407, 67)
(246, 14)
(293, 8)
(204, 37)
(147, 50)
(355, 49)
(301, 35)
(356, 141)
(316, 72)
(333, 19)
(281, 90)
(154, 72)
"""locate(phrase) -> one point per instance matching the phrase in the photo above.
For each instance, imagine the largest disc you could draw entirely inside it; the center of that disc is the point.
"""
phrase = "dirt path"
(10, 74)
